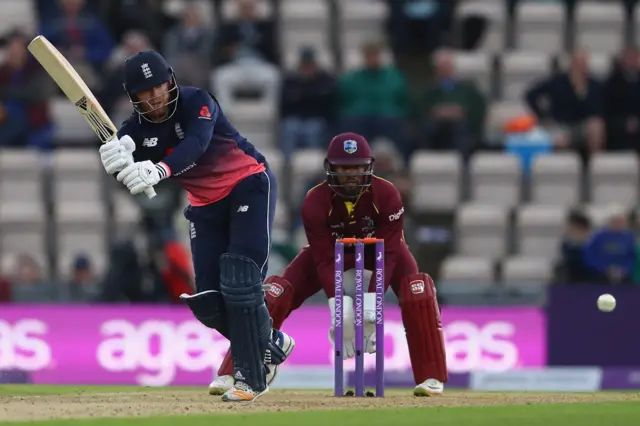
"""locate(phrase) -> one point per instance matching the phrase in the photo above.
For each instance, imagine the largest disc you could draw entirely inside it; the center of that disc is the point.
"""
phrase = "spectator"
(113, 97)
(5, 290)
(81, 37)
(573, 268)
(306, 105)
(610, 252)
(26, 270)
(248, 36)
(453, 111)
(82, 285)
(622, 103)
(188, 47)
(418, 26)
(248, 56)
(373, 100)
(147, 16)
(27, 280)
(24, 92)
(570, 106)
(389, 165)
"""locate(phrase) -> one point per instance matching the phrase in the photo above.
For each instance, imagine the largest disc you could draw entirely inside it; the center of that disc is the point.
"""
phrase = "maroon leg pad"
(423, 327)
(279, 296)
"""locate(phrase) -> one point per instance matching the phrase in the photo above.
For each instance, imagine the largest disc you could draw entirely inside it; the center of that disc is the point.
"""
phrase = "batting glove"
(117, 154)
(140, 176)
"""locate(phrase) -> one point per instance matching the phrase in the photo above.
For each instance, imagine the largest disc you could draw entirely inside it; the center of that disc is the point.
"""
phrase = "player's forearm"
(185, 155)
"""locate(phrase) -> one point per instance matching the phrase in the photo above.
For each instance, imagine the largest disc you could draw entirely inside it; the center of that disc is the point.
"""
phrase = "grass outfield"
(124, 406)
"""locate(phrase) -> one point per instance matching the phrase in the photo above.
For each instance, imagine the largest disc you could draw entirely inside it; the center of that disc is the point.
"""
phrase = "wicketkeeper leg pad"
(208, 308)
(423, 327)
(280, 294)
(249, 321)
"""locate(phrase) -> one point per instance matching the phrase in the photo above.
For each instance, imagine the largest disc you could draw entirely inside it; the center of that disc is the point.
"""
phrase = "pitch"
(60, 405)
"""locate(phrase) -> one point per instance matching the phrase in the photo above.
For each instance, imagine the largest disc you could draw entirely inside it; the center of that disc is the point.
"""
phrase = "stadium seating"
(506, 223)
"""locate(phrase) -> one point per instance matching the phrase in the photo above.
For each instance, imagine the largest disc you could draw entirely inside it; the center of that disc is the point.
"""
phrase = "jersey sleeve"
(125, 128)
(390, 228)
(200, 113)
(319, 237)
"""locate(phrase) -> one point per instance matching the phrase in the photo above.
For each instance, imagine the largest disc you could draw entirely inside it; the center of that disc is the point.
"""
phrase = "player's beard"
(158, 113)
(161, 113)
(351, 185)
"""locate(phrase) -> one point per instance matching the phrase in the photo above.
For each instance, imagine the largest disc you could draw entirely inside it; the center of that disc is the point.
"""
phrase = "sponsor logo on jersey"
(275, 290)
(416, 286)
(396, 216)
(205, 114)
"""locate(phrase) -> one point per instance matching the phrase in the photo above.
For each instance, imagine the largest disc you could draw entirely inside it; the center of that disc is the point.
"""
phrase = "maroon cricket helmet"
(349, 150)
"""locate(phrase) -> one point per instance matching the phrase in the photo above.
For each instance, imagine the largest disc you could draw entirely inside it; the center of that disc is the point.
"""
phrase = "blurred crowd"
(240, 58)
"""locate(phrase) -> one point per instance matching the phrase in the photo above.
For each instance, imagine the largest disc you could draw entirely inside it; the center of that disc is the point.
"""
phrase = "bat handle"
(150, 192)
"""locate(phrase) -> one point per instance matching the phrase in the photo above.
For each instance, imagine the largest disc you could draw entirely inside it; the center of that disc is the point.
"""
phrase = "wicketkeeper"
(353, 202)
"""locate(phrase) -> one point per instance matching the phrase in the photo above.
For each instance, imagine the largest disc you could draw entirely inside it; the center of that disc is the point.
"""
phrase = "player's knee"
(208, 308)
(418, 286)
(240, 281)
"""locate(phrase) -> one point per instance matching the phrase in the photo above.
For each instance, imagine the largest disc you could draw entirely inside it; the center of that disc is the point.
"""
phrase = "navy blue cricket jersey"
(197, 146)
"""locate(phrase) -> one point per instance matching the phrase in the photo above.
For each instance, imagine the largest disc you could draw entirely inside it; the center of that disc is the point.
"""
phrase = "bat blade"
(76, 90)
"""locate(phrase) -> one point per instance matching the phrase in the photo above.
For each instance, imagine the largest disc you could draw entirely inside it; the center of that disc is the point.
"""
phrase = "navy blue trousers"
(240, 224)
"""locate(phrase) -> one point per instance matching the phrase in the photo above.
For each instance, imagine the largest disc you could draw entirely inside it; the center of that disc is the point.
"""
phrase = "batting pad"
(421, 320)
(249, 321)
(208, 308)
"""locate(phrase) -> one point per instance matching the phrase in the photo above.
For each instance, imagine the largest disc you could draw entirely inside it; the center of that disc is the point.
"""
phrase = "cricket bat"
(76, 90)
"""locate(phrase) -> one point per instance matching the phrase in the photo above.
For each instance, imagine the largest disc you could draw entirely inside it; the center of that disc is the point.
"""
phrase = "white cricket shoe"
(287, 344)
(430, 387)
(220, 385)
(242, 392)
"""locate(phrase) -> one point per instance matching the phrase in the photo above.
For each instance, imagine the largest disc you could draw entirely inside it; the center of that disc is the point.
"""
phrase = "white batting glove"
(117, 154)
(140, 176)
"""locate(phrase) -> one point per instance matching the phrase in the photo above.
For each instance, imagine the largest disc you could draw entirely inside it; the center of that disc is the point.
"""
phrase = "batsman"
(354, 203)
(181, 132)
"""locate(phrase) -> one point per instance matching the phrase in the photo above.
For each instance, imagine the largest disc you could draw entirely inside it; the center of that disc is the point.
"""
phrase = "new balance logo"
(242, 209)
(150, 142)
(146, 70)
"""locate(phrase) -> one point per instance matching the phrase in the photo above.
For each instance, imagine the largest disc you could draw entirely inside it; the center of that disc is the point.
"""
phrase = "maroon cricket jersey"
(327, 216)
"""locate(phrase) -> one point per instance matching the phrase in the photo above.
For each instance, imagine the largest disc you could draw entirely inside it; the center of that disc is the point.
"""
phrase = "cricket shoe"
(430, 387)
(220, 385)
(242, 392)
(287, 344)
(223, 384)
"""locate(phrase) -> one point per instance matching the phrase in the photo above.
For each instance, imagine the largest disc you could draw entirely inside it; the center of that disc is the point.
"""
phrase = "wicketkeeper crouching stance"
(181, 133)
(353, 202)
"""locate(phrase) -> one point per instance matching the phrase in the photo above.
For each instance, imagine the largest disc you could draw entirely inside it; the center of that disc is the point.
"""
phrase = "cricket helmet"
(349, 150)
(144, 71)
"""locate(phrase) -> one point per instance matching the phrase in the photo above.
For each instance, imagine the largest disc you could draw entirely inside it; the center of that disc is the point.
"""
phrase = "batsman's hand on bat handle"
(141, 176)
(150, 192)
(117, 154)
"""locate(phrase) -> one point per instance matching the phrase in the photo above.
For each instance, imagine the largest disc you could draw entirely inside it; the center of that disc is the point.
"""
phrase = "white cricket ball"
(606, 303)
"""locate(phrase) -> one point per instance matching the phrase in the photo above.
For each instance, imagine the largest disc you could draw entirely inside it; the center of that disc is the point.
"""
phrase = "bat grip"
(150, 192)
